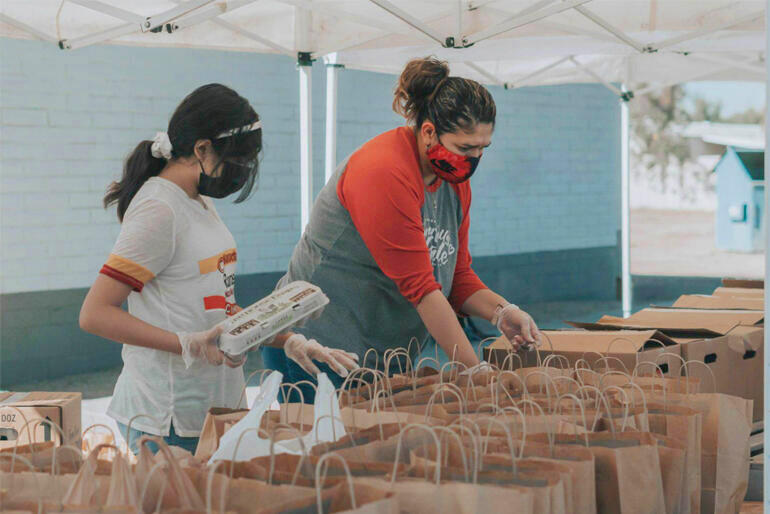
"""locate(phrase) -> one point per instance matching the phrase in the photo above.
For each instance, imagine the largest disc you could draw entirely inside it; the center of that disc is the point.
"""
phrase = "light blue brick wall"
(67, 119)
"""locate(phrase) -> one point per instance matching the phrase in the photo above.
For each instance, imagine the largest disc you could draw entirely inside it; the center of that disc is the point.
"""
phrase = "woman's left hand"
(518, 327)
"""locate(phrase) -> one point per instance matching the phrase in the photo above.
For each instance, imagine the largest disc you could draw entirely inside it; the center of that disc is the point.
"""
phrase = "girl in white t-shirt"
(174, 262)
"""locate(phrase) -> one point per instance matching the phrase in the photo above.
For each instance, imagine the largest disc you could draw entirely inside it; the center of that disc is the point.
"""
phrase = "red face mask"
(449, 166)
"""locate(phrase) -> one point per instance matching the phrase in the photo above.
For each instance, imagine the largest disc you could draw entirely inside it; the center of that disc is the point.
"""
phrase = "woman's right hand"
(303, 351)
(202, 346)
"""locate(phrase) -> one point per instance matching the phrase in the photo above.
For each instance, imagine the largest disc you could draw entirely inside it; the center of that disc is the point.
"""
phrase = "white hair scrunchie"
(161, 146)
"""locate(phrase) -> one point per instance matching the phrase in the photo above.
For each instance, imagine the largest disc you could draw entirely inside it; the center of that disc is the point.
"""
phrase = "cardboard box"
(744, 283)
(629, 346)
(698, 301)
(679, 322)
(20, 409)
(737, 361)
(739, 292)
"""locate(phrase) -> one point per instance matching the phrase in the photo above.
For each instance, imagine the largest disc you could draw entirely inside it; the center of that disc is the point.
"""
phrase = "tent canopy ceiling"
(506, 42)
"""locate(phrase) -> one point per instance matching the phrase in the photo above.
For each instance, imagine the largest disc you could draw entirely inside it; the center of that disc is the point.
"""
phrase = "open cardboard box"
(736, 360)
(629, 346)
(699, 301)
(20, 409)
(740, 292)
(680, 322)
(744, 283)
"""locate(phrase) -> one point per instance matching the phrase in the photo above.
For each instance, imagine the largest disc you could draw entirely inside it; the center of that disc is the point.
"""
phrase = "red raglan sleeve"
(465, 281)
(385, 206)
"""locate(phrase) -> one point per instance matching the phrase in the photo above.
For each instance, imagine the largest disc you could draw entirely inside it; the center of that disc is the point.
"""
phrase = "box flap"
(747, 283)
(739, 291)
(720, 302)
(38, 398)
(683, 322)
(616, 341)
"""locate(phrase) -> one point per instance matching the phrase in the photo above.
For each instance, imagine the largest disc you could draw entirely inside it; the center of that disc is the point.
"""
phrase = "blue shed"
(740, 200)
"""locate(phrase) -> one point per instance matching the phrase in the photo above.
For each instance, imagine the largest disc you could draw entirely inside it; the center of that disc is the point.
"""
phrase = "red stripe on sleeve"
(135, 284)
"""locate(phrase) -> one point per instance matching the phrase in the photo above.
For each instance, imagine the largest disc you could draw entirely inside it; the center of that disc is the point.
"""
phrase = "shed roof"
(754, 162)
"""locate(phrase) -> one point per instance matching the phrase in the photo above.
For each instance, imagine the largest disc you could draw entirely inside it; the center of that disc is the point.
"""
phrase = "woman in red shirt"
(387, 239)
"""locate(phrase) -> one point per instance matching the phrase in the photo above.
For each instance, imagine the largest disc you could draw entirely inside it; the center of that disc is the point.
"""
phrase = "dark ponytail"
(205, 113)
(426, 92)
(139, 167)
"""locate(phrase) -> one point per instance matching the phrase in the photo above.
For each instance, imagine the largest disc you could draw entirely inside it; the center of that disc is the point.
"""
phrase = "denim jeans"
(186, 443)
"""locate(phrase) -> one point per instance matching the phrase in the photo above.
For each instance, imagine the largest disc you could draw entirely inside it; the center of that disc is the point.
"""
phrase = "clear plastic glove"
(202, 347)
(303, 351)
(481, 367)
(518, 327)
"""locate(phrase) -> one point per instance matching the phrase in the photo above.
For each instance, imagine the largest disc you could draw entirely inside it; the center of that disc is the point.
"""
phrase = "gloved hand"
(517, 326)
(481, 367)
(202, 346)
(303, 351)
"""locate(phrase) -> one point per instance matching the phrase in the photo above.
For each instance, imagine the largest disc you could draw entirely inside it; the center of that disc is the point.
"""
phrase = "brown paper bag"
(241, 495)
(671, 453)
(725, 447)
(218, 421)
(578, 459)
(684, 425)
(628, 477)
(162, 473)
(416, 496)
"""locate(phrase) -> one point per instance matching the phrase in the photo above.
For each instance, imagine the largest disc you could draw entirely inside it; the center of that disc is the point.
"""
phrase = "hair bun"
(417, 83)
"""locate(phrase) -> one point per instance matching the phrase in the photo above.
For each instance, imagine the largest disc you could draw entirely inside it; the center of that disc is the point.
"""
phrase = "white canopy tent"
(641, 44)
(512, 43)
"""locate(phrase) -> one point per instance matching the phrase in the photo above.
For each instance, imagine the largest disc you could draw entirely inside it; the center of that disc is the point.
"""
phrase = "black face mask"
(231, 180)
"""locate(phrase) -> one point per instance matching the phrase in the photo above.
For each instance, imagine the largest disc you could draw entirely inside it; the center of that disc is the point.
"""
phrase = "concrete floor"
(682, 243)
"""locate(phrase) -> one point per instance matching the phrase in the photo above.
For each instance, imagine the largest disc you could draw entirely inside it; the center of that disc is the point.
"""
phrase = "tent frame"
(192, 12)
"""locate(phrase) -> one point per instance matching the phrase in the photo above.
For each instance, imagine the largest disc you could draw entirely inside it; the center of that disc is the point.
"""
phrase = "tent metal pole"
(250, 35)
(610, 28)
(706, 31)
(625, 207)
(27, 28)
(596, 76)
(305, 66)
(151, 23)
(759, 70)
(411, 21)
(523, 81)
(484, 73)
(117, 12)
(767, 255)
(517, 22)
(332, 71)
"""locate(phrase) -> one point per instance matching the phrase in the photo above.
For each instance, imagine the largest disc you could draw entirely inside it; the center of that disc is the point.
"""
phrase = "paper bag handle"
(556, 357)
(146, 484)
(497, 384)
(509, 366)
(321, 477)
(366, 358)
(442, 388)
(711, 372)
(476, 447)
(31, 431)
(210, 486)
(577, 403)
(246, 383)
(27, 463)
(412, 426)
(303, 457)
(600, 398)
(509, 437)
(462, 450)
(131, 422)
